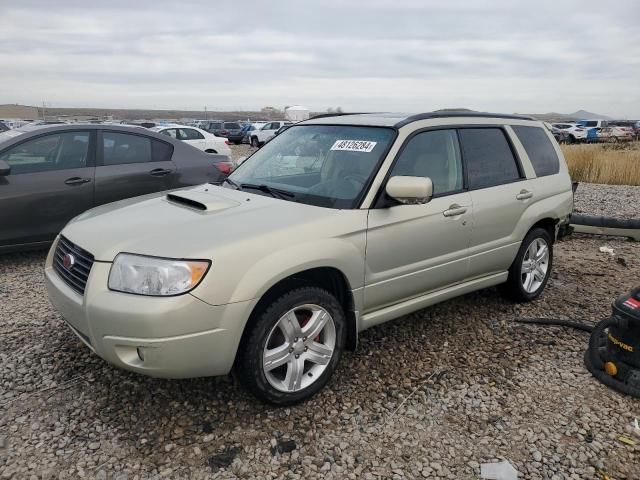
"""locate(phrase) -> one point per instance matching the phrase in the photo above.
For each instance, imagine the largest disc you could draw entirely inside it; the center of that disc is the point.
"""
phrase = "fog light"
(140, 353)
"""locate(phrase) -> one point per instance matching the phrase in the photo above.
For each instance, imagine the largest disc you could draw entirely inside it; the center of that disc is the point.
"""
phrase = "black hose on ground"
(606, 222)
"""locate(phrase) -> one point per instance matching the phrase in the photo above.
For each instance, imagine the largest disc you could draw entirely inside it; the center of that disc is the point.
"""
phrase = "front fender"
(345, 255)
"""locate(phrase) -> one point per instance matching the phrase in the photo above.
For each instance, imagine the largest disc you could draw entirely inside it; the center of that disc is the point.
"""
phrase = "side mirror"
(410, 190)
(5, 168)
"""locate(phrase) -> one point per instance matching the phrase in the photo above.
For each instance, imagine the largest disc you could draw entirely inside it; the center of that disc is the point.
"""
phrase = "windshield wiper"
(274, 192)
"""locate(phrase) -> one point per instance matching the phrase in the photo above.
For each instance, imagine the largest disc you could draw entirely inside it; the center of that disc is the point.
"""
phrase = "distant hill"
(565, 117)
(583, 114)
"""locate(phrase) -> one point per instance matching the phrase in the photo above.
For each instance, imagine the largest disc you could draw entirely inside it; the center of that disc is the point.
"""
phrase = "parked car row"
(595, 131)
(254, 133)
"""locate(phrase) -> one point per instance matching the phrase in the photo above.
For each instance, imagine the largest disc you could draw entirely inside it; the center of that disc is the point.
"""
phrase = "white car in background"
(202, 140)
(267, 132)
(575, 133)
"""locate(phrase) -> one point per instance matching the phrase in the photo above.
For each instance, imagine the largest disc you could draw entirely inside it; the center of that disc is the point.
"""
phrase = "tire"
(254, 142)
(237, 142)
(295, 377)
(517, 286)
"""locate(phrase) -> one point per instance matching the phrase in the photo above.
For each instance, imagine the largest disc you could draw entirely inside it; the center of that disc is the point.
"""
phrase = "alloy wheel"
(299, 347)
(535, 265)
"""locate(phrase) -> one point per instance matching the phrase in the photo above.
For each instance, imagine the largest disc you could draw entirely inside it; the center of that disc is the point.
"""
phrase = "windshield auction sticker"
(354, 145)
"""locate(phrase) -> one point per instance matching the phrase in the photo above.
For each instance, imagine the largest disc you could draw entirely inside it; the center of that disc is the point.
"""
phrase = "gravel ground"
(431, 395)
(620, 201)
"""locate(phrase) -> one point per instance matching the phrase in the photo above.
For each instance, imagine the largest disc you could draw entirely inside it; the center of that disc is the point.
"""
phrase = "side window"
(539, 149)
(122, 148)
(488, 157)
(190, 134)
(171, 132)
(59, 151)
(434, 154)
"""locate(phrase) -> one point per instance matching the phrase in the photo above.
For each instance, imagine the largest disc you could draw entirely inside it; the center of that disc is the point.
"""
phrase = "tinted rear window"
(232, 126)
(488, 157)
(539, 148)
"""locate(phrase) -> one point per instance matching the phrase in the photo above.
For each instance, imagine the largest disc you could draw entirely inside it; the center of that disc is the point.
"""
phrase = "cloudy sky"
(373, 55)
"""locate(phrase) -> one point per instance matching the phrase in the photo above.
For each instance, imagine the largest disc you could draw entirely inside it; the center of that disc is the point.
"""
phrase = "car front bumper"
(172, 337)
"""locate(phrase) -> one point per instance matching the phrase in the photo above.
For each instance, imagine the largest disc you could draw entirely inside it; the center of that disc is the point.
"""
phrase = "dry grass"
(615, 164)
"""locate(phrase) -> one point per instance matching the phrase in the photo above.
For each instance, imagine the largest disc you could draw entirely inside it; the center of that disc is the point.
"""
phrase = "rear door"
(132, 164)
(50, 182)
(500, 193)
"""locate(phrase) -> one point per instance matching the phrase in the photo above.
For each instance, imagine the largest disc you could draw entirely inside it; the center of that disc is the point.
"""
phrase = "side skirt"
(408, 306)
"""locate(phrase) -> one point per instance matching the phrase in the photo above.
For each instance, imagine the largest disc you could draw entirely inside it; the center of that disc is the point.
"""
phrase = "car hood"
(194, 222)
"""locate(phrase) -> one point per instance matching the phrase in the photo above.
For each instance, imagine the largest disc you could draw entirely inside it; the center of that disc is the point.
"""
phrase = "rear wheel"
(294, 346)
(530, 271)
(254, 142)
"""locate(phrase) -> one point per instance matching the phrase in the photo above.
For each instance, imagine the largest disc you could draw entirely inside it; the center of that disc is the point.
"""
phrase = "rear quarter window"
(161, 151)
(539, 149)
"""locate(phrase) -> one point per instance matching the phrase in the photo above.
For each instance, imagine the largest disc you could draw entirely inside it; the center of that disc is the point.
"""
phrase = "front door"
(50, 182)
(416, 249)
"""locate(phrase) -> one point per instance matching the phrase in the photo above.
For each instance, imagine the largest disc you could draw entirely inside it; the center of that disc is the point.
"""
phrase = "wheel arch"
(547, 223)
(328, 278)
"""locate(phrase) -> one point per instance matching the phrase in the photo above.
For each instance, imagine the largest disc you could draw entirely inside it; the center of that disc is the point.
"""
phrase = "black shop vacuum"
(613, 356)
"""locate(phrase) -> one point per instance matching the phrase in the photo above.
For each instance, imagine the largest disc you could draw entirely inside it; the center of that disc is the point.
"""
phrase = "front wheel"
(530, 271)
(293, 347)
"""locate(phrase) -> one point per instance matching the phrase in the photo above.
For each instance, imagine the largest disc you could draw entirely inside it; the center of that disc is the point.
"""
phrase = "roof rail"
(458, 113)
(338, 114)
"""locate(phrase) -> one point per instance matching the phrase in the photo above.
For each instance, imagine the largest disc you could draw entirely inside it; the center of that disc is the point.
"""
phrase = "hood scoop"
(201, 201)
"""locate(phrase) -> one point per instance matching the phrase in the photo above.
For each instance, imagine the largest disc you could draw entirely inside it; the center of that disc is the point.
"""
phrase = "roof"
(398, 120)
(43, 129)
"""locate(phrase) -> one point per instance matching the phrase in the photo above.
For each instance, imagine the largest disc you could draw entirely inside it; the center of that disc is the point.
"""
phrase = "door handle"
(76, 181)
(454, 210)
(524, 195)
(159, 172)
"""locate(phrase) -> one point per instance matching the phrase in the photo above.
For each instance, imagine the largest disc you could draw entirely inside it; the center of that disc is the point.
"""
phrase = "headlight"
(155, 276)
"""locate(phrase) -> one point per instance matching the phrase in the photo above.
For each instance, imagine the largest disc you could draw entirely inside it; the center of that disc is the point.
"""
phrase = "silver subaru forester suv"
(336, 225)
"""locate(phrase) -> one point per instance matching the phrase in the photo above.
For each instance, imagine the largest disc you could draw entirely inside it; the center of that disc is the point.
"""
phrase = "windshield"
(323, 165)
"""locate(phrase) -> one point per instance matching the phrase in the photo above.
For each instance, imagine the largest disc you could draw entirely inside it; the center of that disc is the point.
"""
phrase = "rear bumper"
(173, 337)
(236, 137)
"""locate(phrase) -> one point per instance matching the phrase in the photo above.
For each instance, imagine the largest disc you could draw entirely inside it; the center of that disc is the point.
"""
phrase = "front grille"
(77, 274)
